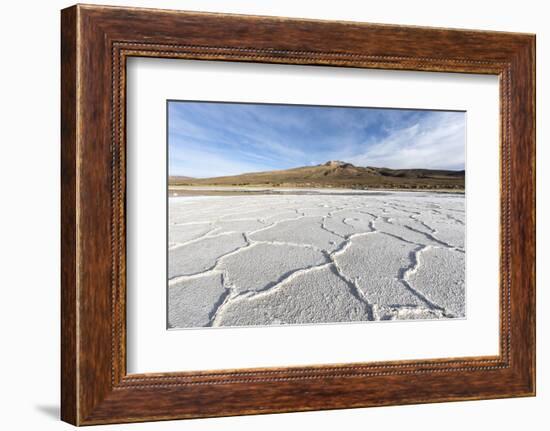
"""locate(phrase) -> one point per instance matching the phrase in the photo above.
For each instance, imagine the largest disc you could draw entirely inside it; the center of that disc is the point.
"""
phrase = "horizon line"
(320, 164)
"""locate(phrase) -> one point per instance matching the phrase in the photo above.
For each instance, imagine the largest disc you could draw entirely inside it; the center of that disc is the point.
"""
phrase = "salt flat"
(315, 257)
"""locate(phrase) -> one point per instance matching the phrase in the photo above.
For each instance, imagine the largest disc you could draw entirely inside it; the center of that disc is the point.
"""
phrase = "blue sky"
(214, 139)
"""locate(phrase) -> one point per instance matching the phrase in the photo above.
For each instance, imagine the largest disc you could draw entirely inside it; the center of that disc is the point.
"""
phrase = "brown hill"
(176, 178)
(337, 174)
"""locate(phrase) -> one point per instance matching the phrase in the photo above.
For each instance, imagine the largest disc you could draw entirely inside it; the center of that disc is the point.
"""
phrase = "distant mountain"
(337, 174)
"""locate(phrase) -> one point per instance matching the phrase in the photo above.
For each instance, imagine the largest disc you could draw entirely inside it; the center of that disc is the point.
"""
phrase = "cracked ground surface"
(323, 257)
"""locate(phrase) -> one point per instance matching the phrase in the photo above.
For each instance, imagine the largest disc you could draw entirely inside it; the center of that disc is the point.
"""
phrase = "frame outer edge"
(532, 82)
(69, 202)
(533, 53)
(531, 63)
(523, 217)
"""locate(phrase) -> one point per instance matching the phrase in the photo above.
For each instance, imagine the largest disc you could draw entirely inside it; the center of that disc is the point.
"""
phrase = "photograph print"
(297, 214)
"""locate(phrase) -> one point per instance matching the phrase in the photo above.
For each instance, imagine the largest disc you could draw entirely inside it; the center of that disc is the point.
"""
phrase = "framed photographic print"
(267, 215)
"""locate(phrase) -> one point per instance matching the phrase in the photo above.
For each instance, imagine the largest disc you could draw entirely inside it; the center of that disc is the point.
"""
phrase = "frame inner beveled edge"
(123, 49)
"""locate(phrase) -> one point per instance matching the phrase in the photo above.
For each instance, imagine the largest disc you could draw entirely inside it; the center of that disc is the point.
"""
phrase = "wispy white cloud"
(436, 141)
(201, 163)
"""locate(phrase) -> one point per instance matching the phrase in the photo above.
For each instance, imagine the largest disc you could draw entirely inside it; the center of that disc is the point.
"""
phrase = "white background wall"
(29, 214)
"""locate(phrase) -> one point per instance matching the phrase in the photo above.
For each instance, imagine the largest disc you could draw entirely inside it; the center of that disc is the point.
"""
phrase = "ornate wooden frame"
(95, 43)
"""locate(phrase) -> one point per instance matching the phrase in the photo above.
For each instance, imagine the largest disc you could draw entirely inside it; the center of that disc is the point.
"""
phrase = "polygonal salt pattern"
(305, 230)
(202, 254)
(445, 288)
(305, 298)
(315, 257)
(193, 301)
(376, 263)
(263, 265)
